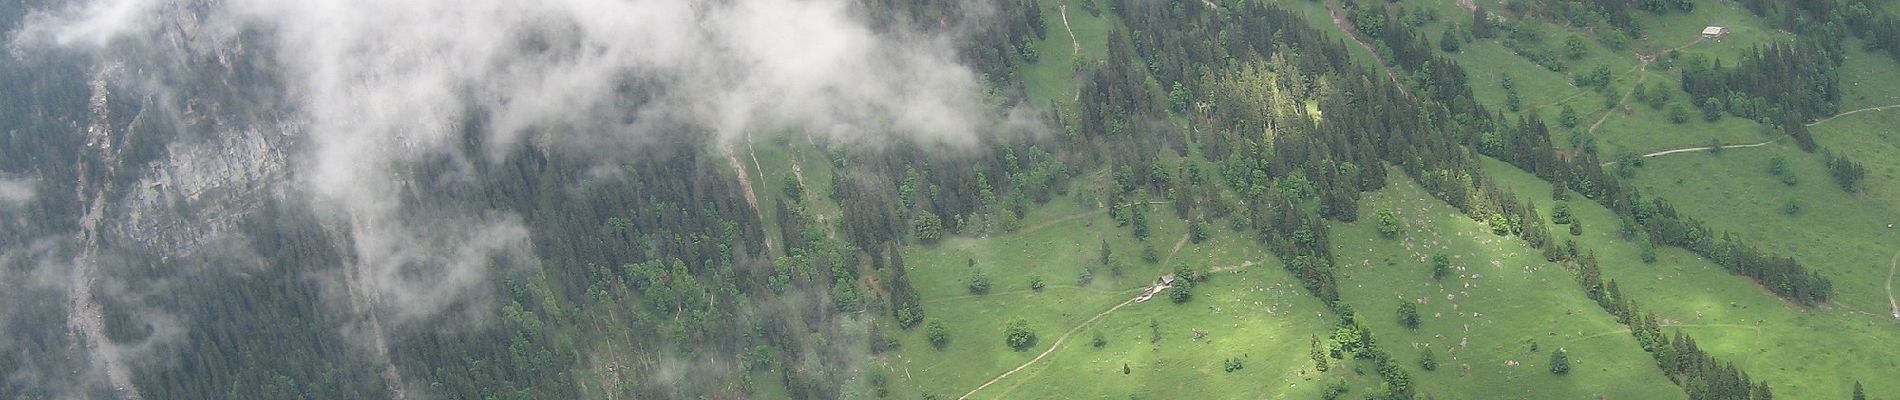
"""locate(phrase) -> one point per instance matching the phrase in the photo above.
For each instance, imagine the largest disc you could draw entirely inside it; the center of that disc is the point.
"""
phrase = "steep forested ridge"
(684, 267)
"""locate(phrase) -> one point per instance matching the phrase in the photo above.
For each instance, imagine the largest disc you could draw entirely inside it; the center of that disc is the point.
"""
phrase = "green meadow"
(1802, 352)
(1249, 309)
(1493, 323)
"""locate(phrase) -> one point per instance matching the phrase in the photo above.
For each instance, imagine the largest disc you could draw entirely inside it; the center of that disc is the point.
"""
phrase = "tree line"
(1699, 374)
(1833, 21)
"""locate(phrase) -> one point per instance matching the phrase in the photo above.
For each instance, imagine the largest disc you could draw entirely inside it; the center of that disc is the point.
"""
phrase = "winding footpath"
(1763, 143)
(1581, 92)
(1074, 45)
(1852, 112)
(1052, 348)
(1078, 327)
(1345, 27)
(1642, 71)
(1070, 217)
(1895, 265)
(1642, 74)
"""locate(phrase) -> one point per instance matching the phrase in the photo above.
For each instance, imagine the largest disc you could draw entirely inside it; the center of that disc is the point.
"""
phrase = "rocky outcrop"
(202, 189)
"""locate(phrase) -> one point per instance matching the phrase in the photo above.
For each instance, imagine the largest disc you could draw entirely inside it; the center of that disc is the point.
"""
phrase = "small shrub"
(1427, 361)
(1500, 225)
(1197, 232)
(1631, 158)
(891, 343)
(1575, 48)
(909, 315)
(1139, 220)
(1449, 41)
(979, 282)
(1017, 335)
(1598, 78)
(792, 189)
(1408, 314)
(927, 227)
(1318, 352)
(1389, 226)
(1098, 341)
(1180, 294)
(1791, 209)
(1441, 266)
(938, 334)
(1334, 390)
(1678, 114)
(1628, 230)
(1659, 92)
(1559, 362)
(1184, 280)
(1231, 365)
(880, 384)
(1711, 110)
(1035, 282)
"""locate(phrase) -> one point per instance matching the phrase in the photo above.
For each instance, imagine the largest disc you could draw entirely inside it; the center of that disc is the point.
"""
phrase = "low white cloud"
(377, 84)
(15, 192)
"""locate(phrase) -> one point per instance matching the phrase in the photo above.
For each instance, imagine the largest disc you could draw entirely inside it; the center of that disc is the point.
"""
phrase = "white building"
(1714, 32)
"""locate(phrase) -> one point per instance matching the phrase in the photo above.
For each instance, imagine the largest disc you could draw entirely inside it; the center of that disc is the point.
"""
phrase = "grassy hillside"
(1493, 321)
(1734, 318)
(1249, 310)
(1843, 235)
(1076, 37)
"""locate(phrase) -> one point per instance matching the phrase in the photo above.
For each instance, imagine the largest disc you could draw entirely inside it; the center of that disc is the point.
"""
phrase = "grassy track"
(1894, 266)
(1084, 36)
(1244, 310)
(1052, 348)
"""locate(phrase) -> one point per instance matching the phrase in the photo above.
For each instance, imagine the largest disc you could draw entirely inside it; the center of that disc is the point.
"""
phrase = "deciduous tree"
(1018, 336)
(1408, 314)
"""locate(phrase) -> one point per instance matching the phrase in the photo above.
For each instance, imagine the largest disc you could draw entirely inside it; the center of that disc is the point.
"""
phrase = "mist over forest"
(825, 199)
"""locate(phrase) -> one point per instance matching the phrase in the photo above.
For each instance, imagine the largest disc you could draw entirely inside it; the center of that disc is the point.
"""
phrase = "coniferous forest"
(723, 210)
